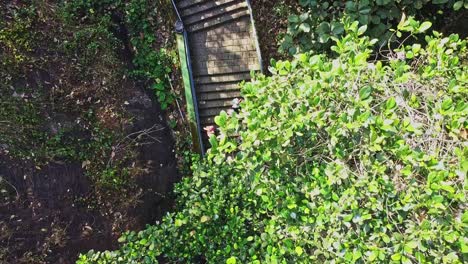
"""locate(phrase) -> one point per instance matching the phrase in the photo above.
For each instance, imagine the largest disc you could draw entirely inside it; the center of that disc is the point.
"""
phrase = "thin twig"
(134, 138)
(177, 101)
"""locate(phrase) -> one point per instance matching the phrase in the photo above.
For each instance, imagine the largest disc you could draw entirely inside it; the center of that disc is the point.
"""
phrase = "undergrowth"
(140, 18)
(74, 112)
(313, 27)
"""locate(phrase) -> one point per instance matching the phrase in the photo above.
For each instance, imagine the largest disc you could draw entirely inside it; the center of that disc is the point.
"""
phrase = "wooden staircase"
(223, 51)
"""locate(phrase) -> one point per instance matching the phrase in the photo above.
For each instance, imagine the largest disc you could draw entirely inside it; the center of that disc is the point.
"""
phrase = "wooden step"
(226, 69)
(223, 78)
(218, 95)
(201, 55)
(205, 6)
(218, 21)
(218, 87)
(181, 4)
(218, 44)
(231, 29)
(202, 104)
(217, 12)
(213, 111)
(207, 121)
(199, 38)
(234, 52)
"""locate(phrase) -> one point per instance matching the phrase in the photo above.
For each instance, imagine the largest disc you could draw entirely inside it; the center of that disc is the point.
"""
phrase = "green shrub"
(331, 160)
(321, 20)
(141, 19)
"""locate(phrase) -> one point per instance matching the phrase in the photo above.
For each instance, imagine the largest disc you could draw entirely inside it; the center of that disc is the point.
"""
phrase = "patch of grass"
(20, 116)
(141, 18)
(91, 41)
(17, 39)
(85, 68)
(282, 10)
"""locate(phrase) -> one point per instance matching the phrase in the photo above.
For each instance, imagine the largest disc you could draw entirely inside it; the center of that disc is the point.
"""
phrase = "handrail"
(189, 68)
(257, 44)
(176, 10)
(194, 94)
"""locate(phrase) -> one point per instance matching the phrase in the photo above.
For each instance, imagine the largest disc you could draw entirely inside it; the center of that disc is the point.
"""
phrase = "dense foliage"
(332, 159)
(318, 21)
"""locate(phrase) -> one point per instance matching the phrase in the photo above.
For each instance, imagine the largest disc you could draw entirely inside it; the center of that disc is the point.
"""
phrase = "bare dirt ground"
(271, 21)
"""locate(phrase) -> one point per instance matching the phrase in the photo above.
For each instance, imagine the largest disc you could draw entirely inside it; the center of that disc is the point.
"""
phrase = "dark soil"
(271, 22)
(456, 23)
(55, 212)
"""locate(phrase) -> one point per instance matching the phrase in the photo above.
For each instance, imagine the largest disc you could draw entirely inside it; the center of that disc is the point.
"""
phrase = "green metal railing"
(189, 84)
(254, 30)
(188, 80)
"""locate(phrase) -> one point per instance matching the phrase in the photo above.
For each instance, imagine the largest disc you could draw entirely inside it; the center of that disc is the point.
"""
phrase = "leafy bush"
(321, 20)
(141, 18)
(332, 159)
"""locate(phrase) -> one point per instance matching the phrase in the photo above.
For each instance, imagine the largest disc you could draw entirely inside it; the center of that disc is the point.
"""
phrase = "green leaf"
(357, 255)
(458, 5)
(405, 260)
(231, 260)
(324, 38)
(204, 219)
(365, 92)
(463, 245)
(305, 27)
(293, 19)
(412, 244)
(448, 188)
(373, 255)
(299, 250)
(391, 103)
(464, 217)
(213, 141)
(450, 258)
(447, 104)
(416, 48)
(221, 119)
(424, 26)
(178, 222)
(362, 30)
(451, 237)
(324, 27)
(396, 256)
